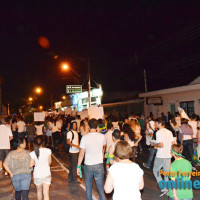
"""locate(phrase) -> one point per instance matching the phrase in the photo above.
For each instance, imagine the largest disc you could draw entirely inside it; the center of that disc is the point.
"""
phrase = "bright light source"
(38, 90)
(63, 97)
(41, 107)
(65, 66)
(30, 99)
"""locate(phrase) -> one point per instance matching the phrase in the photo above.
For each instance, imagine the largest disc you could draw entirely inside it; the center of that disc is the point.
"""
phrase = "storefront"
(80, 100)
(168, 100)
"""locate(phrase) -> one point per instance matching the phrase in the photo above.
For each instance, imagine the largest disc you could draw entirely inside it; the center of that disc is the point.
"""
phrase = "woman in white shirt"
(125, 176)
(135, 126)
(84, 129)
(41, 159)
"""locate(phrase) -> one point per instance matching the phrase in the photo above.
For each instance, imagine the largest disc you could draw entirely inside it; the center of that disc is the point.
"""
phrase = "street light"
(63, 97)
(30, 99)
(41, 107)
(65, 66)
(38, 90)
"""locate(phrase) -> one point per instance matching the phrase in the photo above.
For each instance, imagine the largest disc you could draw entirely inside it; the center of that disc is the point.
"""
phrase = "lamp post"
(66, 67)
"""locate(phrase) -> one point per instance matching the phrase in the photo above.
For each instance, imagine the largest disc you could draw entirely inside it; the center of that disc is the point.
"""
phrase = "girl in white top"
(84, 129)
(125, 176)
(41, 158)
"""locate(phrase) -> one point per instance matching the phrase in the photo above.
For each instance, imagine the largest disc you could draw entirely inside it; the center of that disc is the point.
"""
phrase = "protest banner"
(96, 112)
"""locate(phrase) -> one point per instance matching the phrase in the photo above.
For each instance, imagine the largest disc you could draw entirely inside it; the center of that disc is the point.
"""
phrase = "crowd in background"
(105, 146)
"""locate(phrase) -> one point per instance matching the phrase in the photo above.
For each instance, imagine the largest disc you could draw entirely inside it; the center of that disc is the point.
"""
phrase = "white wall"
(175, 98)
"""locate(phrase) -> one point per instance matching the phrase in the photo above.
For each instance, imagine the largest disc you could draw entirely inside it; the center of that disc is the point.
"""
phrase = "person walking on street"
(92, 147)
(17, 165)
(41, 159)
(21, 126)
(73, 141)
(125, 176)
(5, 138)
(164, 141)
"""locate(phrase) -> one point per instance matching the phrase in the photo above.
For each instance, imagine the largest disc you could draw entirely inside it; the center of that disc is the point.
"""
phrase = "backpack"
(67, 145)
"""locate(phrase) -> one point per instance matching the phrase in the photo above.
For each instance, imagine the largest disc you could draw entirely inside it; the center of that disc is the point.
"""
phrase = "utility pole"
(89, 83)
(145, 80)
(8, 109)
(1, 83)
(51, 100)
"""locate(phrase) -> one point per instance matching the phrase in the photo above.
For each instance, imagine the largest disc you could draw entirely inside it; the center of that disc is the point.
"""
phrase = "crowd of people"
(107, 148)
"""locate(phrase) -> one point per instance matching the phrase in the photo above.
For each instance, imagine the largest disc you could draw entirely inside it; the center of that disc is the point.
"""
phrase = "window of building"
(188, 106)
(172, 108)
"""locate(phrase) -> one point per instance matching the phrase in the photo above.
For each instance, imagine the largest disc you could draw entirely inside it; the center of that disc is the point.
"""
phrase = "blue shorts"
(21, 181)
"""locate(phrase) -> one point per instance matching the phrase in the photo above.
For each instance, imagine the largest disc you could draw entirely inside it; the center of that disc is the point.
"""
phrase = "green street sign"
(70, 89)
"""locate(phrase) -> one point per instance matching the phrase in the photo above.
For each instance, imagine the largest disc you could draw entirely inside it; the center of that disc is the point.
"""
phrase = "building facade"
(168, 100)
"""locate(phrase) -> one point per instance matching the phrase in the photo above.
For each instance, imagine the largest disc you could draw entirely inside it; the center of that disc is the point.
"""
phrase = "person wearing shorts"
(41, 159)
(17, 165)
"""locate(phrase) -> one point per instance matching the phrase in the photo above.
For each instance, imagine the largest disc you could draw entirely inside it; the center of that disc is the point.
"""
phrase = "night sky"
(121, 38)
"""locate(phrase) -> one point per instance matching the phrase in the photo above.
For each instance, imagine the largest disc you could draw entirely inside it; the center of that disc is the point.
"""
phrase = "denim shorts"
(39, 181)
(21, 181)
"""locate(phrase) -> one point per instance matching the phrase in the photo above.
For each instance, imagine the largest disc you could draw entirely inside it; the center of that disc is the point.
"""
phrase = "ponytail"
(38, 142)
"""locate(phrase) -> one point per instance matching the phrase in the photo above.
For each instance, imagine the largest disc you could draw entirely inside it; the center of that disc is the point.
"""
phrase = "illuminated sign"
(70, 89)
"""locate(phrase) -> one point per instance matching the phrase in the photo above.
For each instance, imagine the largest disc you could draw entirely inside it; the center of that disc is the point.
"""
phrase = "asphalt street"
(60, 189)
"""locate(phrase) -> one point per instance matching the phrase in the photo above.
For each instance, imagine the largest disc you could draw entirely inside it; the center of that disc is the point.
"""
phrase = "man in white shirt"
(5, 138)
(92, 147)
(73, 141)
(108, 136)
(164, 141)
(21, 127)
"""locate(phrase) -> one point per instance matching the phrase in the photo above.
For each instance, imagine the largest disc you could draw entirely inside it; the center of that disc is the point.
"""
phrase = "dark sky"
(121, 38)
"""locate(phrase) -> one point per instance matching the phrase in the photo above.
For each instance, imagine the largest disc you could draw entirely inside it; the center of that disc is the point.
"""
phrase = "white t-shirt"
(126, 181)
(152, 126)
(165, 136)
(109, 140)
(74, 141)
(93, 144)
(84, 132)
(39, 129)
(5, 134)
(193, 124)
(42, 168)
(21, 126)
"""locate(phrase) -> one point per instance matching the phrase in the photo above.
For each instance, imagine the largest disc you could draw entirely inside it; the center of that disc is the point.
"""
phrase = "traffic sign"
(70, 89)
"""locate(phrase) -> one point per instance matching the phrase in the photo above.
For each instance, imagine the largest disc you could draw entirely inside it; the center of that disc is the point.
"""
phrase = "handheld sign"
(96, 112)
(39, 116)
(183, 113)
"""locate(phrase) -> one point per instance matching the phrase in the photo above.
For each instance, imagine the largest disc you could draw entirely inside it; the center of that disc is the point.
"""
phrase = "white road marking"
(65, 169)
